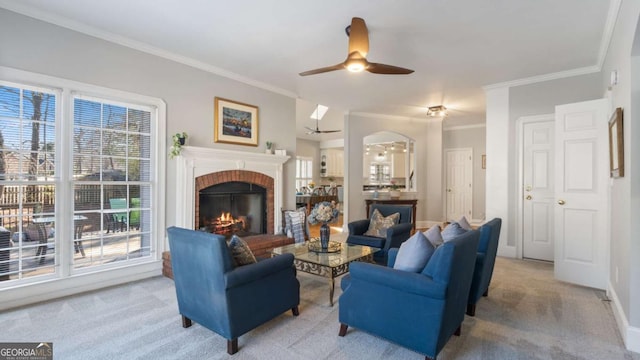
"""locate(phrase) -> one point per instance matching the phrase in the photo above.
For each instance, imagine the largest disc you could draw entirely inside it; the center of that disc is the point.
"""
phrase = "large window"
(27, 181)
(304, 171)
(112, 183)
(77, 184)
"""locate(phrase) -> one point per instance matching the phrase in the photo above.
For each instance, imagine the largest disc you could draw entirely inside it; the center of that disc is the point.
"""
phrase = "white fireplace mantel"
(198, 161)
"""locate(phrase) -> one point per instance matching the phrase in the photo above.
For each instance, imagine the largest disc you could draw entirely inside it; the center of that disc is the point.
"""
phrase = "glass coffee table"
(329, 265)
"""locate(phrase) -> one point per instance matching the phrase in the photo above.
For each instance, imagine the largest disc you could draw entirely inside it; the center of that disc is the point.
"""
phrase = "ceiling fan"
(318, 131)
(357, 59)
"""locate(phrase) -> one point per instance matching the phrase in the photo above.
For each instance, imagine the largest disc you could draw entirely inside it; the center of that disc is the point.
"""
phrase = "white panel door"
(538, 182)
(581, 193)
(459, 183)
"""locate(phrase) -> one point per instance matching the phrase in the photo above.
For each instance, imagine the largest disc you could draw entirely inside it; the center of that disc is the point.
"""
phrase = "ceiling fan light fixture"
(355, 65)
(438, 110)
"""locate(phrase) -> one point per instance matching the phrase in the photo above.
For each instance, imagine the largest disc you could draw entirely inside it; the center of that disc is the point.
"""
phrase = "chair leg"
(471, 309)
(186, 322)
(458, 331)
(343, 330)
(295, 311)
(232, 346)
(486, 293)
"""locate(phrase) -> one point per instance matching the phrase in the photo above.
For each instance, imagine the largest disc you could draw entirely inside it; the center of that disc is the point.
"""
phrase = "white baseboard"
(507, 251)
(630, 334)
(424, 224)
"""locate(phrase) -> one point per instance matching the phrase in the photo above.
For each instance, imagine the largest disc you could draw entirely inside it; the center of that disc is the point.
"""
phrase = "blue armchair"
(396, 234)
(228, 300)
(419, 311)
(485, 260)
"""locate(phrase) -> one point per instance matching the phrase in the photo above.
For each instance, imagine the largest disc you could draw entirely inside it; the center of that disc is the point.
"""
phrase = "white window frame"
(66, 280)
(303, 179)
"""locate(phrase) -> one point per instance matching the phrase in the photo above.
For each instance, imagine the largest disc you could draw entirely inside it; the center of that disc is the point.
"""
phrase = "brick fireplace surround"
(204, 181)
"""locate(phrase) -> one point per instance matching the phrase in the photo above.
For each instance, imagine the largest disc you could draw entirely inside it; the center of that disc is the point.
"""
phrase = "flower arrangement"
(311, 184)
(323, 212)
(394, 185)
(178, 140)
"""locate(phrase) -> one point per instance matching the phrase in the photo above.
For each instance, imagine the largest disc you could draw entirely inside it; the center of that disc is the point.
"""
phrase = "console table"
(310, 200)
(412, 202)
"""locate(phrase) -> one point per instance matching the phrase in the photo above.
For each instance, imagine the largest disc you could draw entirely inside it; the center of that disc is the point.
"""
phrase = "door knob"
(448, 190)
(561, 202)
(528, 197)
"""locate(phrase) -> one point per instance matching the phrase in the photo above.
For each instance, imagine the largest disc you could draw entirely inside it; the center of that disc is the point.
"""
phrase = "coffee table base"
(328, 271)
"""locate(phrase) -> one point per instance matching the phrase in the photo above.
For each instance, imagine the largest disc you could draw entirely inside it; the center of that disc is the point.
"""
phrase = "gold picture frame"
(616, 144)
(235, 122)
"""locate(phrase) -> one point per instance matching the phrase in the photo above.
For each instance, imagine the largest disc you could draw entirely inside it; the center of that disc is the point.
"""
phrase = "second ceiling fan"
(357, 59)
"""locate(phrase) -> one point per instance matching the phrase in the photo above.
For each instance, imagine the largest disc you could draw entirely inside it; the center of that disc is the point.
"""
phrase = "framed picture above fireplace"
(235, 122)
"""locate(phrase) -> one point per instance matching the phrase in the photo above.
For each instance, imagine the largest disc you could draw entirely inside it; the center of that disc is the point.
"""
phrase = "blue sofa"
(485, 260)
(419, 311)
(225, 299)
(396, 234)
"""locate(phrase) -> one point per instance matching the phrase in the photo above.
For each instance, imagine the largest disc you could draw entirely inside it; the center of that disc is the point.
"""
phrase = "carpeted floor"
(527, 315)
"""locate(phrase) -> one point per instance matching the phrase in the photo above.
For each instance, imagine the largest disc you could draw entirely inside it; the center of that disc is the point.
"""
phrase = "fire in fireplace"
(233, 208)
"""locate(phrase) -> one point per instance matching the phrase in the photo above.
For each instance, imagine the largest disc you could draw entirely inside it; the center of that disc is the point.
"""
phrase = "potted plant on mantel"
(269, 149)
(178, 140)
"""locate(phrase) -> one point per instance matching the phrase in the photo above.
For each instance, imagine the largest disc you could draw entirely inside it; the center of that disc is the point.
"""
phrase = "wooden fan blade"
(310, 130)
(329, 131)
(387, 69)
(323, 70)
(359, 37)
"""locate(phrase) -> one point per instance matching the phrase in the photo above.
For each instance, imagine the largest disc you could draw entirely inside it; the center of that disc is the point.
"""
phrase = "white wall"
(36, 46)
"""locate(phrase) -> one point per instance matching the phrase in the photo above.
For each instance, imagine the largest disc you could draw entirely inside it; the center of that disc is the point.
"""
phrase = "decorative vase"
(394, 194)
(325, 231)
(182, 140)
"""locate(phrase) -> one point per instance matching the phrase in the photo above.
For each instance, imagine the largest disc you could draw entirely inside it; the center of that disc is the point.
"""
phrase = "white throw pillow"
(434, 236)
(414, 254)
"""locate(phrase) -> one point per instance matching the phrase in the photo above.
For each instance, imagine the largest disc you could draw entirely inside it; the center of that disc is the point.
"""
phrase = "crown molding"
(382, 116)
(137, 45)
(607, 34)
(463, 127)
(546, 77)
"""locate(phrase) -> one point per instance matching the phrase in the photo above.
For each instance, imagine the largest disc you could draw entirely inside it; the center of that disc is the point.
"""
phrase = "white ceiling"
(455, 46)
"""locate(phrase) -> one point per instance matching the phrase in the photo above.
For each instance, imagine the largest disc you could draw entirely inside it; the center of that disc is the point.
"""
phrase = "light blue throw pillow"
(434, 236)
(414, 254)
(452, 231)
(464, 223)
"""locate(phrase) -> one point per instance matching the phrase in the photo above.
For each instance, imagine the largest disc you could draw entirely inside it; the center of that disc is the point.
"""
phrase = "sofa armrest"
(358, 227)
(246, 274)
(397, 234)
(391, 257)
(397, 280)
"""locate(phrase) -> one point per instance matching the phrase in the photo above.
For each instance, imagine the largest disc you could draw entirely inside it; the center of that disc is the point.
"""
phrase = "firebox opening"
(233, 208)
